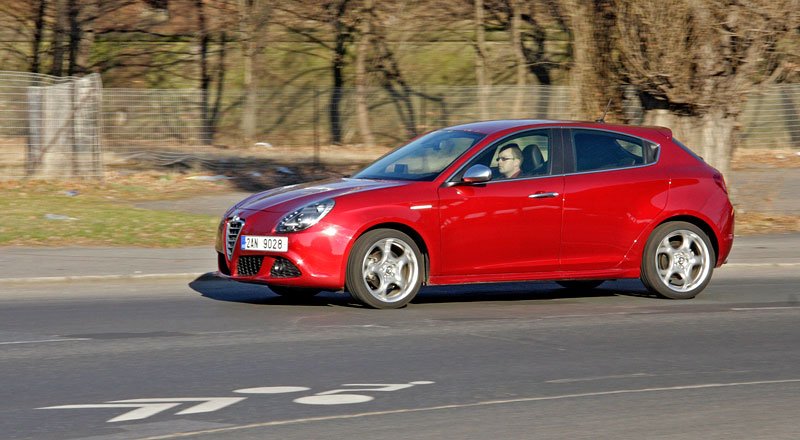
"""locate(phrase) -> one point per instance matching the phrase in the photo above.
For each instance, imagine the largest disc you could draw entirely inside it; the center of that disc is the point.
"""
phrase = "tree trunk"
(362, 108)
(205, 76)
(519, 55)
(481, 75)
(253, 19)
(59, 32)
(38, 35)
(341, 37)
(711, 136)
(75, 36)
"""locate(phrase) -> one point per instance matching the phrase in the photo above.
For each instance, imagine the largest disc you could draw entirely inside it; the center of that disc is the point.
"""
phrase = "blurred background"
(91, 87)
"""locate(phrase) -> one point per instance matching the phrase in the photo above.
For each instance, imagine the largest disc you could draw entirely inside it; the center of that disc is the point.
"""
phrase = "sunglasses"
(503, 159)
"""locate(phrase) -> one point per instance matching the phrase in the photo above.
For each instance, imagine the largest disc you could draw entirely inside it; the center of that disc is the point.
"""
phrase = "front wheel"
(384, 269)
(678, 261)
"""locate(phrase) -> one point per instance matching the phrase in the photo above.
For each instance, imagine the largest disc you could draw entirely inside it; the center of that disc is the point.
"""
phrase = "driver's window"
(525, 155)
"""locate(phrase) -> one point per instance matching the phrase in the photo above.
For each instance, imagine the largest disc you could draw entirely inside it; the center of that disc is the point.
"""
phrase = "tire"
(580, 284)
(678, 261)
(294, 292)
(384, 270)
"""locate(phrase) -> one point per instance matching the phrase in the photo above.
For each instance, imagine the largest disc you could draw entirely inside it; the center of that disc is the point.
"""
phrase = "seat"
(532, 161)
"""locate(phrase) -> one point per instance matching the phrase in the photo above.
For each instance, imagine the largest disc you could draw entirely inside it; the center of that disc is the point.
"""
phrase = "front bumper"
(316, 257)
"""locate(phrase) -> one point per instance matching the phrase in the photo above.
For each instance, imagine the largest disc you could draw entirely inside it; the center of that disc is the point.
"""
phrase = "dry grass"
(752, 223)
(765, 158)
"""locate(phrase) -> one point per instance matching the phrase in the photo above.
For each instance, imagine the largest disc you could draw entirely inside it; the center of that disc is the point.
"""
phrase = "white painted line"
(45, 340)
(143, 411)
(465, 405)
(734, 265)
(271, 390)
(589, 379)
(336, 399)
(739, 309)
(210, 404)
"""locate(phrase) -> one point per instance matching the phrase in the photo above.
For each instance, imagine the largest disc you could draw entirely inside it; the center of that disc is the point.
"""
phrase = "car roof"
(490, 127)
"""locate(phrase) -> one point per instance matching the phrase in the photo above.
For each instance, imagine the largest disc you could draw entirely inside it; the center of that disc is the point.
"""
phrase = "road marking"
(464, 405)
(336, 399)
(733, 265)
(150, 407)
(739, 309)
(589, 379)
(210, 404)
(45, 340)
(271, 390)
(144, 410)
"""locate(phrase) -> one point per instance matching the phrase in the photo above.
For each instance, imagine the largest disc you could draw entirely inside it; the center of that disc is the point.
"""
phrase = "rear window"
(601, 150)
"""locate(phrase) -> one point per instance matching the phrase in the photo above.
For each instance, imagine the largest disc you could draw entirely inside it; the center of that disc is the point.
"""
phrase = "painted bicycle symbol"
(339, 396)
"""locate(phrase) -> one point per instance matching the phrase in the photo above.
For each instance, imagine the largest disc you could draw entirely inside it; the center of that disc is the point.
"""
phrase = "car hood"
(287, 198)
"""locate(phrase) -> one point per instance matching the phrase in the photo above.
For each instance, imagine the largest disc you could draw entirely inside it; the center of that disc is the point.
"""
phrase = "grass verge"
(87, 213)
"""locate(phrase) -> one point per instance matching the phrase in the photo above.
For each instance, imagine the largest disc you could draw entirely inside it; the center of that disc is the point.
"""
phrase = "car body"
(592, 202)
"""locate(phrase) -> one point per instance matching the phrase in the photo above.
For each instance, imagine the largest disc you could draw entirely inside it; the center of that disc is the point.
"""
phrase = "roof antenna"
(602, 119)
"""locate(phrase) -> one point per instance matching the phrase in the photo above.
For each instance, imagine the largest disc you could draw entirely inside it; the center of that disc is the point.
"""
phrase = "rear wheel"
(678, 261)
(580, 284)
(384, 270)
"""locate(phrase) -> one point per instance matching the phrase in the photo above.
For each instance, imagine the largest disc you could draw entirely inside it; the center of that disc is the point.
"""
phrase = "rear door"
(612, 191)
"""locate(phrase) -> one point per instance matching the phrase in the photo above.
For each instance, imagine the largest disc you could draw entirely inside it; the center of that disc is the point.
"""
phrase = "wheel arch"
(700, 223)
(411, 232)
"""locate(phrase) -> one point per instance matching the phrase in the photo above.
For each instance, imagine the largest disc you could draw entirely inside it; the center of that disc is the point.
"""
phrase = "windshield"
(422, 159)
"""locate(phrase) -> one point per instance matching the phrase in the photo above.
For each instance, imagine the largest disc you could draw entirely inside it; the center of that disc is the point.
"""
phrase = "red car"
(498, 201)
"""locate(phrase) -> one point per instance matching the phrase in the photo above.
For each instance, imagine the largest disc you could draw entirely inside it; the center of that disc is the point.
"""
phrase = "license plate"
(260, 243)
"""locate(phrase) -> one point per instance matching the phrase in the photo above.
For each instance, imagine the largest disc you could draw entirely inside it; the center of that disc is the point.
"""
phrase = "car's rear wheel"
(384, 269)
(580, 284)
(294, 292)
(678, 261)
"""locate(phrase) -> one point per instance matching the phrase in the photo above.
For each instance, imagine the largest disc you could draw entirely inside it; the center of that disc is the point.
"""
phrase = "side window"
(598, 150)
(525, 155)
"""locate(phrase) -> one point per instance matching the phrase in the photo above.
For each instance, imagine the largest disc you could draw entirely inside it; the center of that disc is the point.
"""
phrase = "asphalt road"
(512, 361)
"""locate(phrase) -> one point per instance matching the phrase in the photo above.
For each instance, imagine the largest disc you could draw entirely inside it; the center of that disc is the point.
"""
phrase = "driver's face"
(507, 164)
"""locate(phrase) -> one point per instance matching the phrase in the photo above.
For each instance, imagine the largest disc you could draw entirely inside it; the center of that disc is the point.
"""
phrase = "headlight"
(305, 217)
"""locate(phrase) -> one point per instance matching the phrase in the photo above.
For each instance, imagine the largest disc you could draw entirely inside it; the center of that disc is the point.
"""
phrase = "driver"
(509, 161)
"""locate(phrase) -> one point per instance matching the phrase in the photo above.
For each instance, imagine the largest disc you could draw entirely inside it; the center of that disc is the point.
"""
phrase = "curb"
(146, 276)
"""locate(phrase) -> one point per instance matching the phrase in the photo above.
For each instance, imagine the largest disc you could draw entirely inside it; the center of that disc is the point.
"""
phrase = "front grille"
(232, 230)
(283, 268)
(249, 265)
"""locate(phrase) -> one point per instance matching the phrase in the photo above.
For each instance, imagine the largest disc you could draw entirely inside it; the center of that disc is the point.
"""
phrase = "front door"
(509, 225)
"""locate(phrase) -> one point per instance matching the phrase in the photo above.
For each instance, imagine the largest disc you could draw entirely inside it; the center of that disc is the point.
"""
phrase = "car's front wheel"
(384, 269)
(678, 261)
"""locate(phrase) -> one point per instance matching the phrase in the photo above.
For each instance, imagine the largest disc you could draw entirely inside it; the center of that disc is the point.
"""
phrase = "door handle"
(543, 195)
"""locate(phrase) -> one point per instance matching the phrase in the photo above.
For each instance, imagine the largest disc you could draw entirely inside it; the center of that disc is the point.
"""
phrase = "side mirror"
(477, 174)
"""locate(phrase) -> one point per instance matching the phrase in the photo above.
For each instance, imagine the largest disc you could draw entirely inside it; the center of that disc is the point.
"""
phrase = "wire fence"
(72, 127)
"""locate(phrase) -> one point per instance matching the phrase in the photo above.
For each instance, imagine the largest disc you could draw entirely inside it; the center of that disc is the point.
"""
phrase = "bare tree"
(367, 18)
(482, 77)
(254, 17)
(693, 77)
